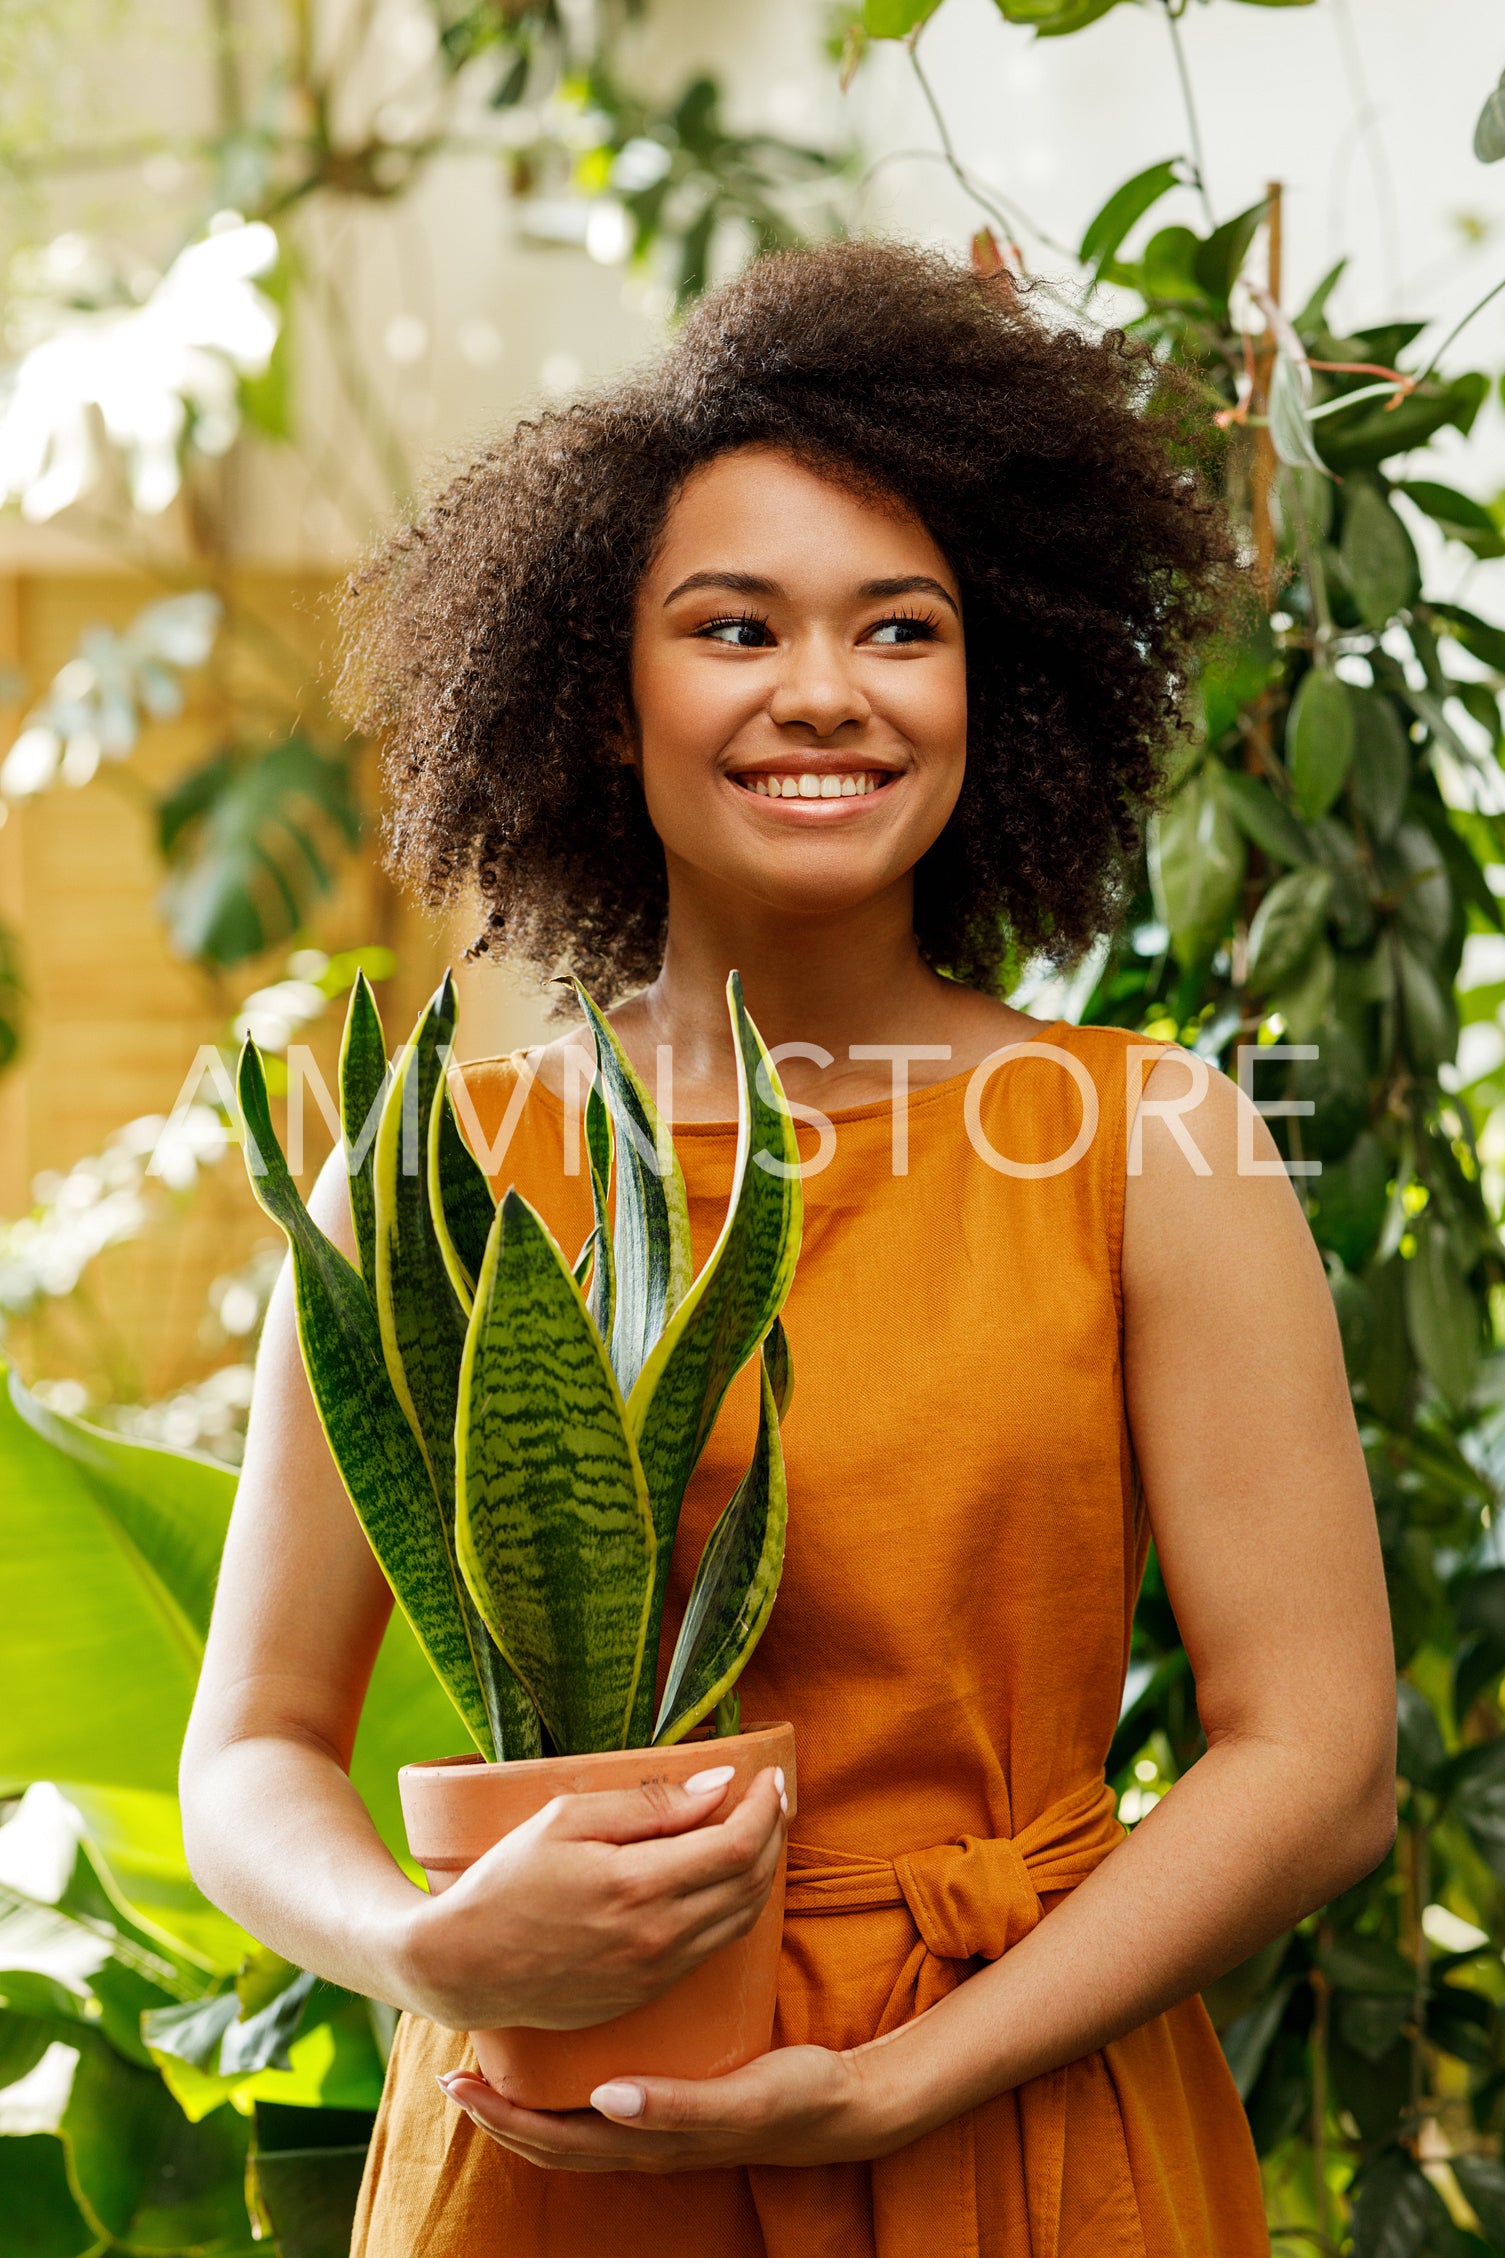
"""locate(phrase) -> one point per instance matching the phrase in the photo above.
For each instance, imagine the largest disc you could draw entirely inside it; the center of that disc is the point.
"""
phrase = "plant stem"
(1188, 99)
(964, 179)
(1265, 460)
(1459, 327)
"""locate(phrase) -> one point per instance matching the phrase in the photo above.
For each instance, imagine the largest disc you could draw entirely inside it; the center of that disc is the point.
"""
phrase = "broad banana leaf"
(363, 1084)
(423, 1332)
(108, 1551)
(373, 1445)
(727, 1311)
(652, 1249)
(555, 1529)
(738, 1578)
(460, 1200)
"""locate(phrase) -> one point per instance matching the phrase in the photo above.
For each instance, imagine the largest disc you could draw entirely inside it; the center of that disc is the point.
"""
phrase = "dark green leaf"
(1108, 227)
(1319, 741)
(1442, 1315)
(1395, 2209)
(1381, 772)
(1351, 1198)
(1371, 2026)
(1460, 518)
(1169, 267)
(152, 2179)
(1368, 1965)
(1482, 2179)
(1197, 860)
(1475, 634)
(1364, 440)
(1266, 821)
(310, 2195)
(1286, 927)
(36, 2203)
(1246, 2042)
(1428, 1017)
(1421, 1755)
(253, 842)
(1220, 260)
(1379, 561)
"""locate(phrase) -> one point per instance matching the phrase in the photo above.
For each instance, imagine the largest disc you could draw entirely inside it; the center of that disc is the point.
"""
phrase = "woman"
(841, 649)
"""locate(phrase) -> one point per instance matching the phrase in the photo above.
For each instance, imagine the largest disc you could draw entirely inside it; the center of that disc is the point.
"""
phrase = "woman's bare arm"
(564, 1923)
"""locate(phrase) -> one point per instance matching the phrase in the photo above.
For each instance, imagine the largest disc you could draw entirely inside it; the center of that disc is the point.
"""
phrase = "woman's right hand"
(595, 1905)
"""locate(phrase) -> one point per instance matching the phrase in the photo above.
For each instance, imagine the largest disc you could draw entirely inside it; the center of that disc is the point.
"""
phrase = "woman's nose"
(816, 689)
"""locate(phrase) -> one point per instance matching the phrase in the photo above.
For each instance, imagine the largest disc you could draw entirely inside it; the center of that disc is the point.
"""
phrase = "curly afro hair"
(490, 642)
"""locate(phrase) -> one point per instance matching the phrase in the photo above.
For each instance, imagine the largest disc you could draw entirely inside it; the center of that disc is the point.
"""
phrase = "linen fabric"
(966, 1539)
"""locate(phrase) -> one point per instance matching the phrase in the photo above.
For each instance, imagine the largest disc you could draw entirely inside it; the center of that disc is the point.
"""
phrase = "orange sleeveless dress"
(950, 1642)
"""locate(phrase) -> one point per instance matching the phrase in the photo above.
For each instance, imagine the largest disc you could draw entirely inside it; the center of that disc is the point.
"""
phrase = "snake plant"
(515, 1430)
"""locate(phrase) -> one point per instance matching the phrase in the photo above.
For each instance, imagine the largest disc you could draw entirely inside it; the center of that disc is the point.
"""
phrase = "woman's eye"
(888, 632)
(742, 634)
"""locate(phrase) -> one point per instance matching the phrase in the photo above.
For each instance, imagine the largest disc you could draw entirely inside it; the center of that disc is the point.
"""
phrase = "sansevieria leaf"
(602, 1300)
(459, 1199)
(730, 1307)
(369, 1438)
(738, 1577)
(363, 1084)
(555, 1533)
(422, 1324)
(653, 1257)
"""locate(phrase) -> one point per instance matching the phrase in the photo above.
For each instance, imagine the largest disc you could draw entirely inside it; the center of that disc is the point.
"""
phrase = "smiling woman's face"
(799, 685)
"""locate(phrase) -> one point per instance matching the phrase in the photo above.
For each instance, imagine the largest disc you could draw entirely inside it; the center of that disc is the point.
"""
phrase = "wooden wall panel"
(114, 1017)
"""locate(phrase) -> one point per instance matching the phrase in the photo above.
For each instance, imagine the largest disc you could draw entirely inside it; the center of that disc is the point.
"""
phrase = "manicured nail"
(784, 1805)
(702, 1783)
(778, 1778)
(618, 2100)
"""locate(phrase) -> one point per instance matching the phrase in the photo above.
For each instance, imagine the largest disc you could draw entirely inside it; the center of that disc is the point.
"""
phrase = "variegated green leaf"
(423, 1326)
(459, 1198)
(652, 1240)
(580, 1267)
(555, 1531)
(369, 1439)
(422, 1323)
(363, 1083)
(738, 1577)
(602, 1300)
(730, 1307)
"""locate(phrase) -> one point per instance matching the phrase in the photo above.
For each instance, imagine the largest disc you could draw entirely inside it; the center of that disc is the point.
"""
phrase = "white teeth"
(810, 786)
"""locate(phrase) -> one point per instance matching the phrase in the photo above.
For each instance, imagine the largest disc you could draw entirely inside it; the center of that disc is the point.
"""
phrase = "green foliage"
(517, 1453)
(1320, 871)
(253, 841)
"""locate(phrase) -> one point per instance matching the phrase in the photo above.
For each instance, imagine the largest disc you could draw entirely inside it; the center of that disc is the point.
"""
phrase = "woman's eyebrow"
(740, 584)
(909, 584)
(753, 584)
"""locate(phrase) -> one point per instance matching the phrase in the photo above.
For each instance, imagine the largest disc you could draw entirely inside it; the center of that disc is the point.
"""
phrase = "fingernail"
(702, 1783)
(617, 2100)
(778, 1777)
(784, 1805)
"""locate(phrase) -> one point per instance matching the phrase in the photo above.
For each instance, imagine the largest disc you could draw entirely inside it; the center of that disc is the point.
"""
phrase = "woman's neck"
(847, 979)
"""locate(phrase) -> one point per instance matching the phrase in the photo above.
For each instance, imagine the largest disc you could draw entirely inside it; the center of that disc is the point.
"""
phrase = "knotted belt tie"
(970, 1900)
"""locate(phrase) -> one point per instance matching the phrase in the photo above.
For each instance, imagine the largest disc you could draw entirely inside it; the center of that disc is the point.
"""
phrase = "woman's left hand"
(798, 2105)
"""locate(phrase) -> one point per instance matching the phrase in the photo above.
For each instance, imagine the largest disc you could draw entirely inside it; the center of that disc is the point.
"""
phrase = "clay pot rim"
(473, 1766)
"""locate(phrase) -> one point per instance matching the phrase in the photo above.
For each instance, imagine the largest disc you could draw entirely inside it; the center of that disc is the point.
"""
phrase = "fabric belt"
(969, 1901)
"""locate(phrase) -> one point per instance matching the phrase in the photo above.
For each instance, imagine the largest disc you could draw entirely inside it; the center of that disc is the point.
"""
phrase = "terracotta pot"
(710, 2022)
